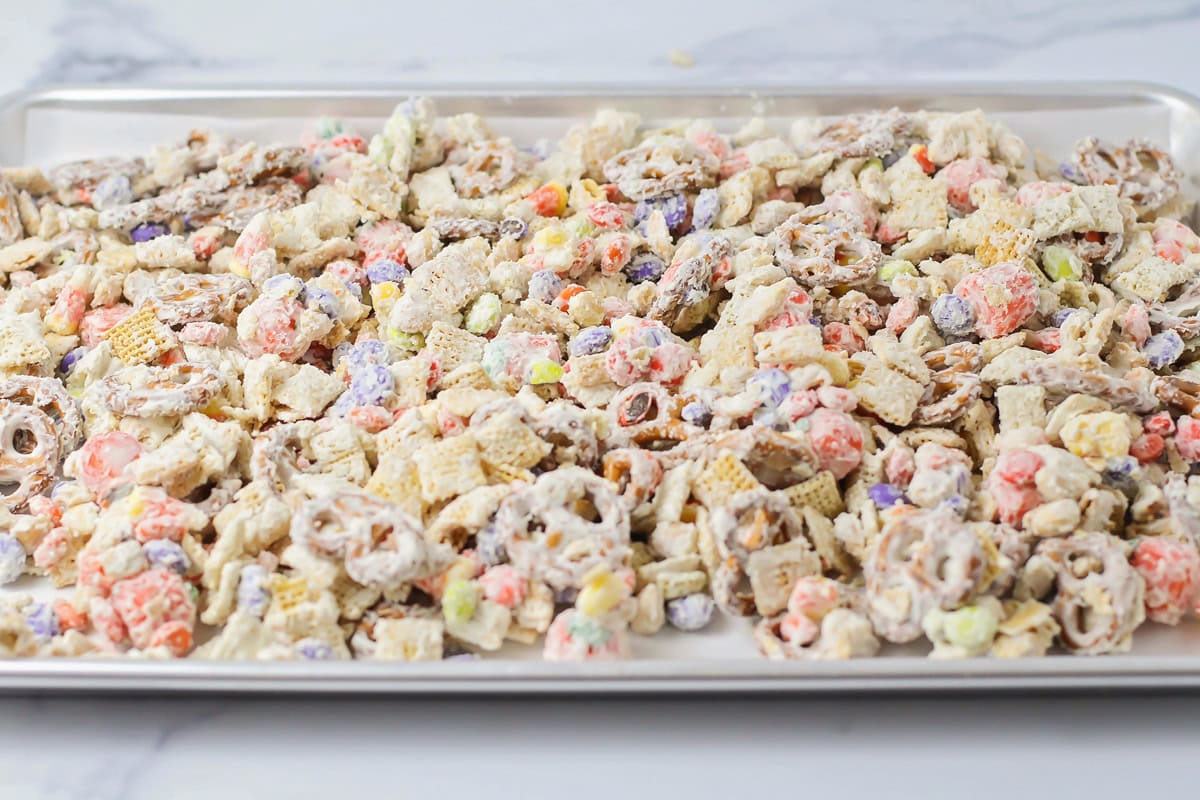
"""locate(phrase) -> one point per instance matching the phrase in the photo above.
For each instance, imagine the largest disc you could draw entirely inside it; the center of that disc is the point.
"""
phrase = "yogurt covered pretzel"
(418, 392)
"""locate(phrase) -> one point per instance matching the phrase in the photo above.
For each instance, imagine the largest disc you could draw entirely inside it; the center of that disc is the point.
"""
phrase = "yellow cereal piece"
(722, 479)
(140, 338)
(1100, 435)
(550, 237)
(602, 591)
(819, 492)
(507, 473)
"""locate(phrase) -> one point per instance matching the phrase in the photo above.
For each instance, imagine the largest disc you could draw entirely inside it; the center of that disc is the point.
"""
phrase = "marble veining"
(70, 748)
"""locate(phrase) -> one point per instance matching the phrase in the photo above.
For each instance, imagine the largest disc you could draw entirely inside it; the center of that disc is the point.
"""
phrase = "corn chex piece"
(396, 480)
(819, 492)
(470, 375)
(506, 473)
(506, 441)
(409, 639)
(886, 393)
(288, 592)
(722, 479)
(1003, 242)
(140, 338)
(453, 346)
(773, 571)
(449, 467)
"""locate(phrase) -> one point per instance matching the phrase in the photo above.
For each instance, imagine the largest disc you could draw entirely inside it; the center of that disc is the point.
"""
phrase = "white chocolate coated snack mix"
(876, 378)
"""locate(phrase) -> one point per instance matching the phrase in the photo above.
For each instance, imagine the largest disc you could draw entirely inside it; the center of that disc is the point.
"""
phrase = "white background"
(972, 747)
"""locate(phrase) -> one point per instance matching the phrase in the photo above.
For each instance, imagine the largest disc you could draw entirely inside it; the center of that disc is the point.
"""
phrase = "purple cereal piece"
(370, 385)
(673, 207)
(284, 286)
(513, 227)
(148, 230)
(691, 612)
(113, 191)
(386, 270)
(366, 352)
(544, 285)
(1061, 316)
(489, 546)
(12, 558)
(772, 386)
(953, 315)
(591, 340)
(696, 413)
(645, 267)
(41, 619)
(167, 554)
(313, 650)
(323, 301)
(885, 495)
(1163, 349)
(705, 209)
(71, 359)
(252, 594)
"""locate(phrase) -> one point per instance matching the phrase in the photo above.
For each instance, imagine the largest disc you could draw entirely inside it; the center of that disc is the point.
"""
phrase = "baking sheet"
(48, 127)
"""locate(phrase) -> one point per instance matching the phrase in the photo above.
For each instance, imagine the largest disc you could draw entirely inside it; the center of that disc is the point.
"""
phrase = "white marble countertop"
(132, 748)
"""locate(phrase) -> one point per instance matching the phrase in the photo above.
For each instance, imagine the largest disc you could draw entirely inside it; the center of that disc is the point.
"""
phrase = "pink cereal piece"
(384, 239)
(103, 460)
(901, 315)
(1160, 423)
(713, 143)
(735, 162)
(348, 271)
(837, 398)
(1047, 340)
(813, 596)
(856, 204)
(797, 310)
(99, 321)
(51, 549)
(204, 245)
(799, 404)
(275, 331)
(371, 419)
(843, 337)
(615, 308)
(1136, 324)
(1187, 438)
(91, 573)
(900, 466)
(1002, 297)
(106, 620)
(43, 506)
(450, 424)
(1018, 467)
(1171, 570)
(1013, 502)
(253, 239)
(960, 175)
(162, 517)
(503, 585)
(203, 333)
(1031, 194)
(785, 193)
(606, 216)
(68, 308)
(150, 599)
(837, 440)
(1171, 230)
(798, 629)
(615, 254)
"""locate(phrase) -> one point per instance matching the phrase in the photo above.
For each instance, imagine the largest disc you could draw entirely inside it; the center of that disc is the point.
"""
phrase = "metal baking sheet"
(51, 125)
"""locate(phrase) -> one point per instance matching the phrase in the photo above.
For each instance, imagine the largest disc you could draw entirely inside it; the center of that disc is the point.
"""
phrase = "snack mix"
(872, 379)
